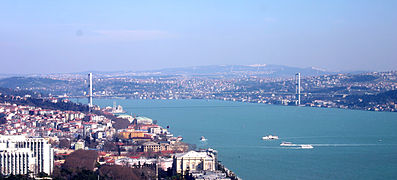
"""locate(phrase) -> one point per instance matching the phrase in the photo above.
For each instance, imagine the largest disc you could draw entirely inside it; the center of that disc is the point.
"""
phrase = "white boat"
(302, 146)
(269, 137)
(287, 144)
(306, 146)
(203, 138)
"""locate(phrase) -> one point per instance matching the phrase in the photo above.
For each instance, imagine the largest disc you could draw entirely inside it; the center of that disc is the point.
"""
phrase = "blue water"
(348, 144)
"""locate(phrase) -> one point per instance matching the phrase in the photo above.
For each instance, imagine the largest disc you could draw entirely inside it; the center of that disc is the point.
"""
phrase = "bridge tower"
(298, 88)
(90, 90)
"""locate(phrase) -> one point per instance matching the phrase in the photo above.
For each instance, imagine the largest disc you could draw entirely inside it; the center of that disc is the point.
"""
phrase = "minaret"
(298, 88)
(90, 90)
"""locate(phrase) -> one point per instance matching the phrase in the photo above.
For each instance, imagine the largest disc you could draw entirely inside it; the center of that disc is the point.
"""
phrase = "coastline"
(239, 101)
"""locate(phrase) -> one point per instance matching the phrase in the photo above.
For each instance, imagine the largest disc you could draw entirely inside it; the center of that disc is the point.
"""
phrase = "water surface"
(348, 144)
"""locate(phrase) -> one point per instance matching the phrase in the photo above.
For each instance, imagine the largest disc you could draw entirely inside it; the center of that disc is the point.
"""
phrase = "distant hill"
(2, 75)
(258, 70)
(28, 82)
(13, 92)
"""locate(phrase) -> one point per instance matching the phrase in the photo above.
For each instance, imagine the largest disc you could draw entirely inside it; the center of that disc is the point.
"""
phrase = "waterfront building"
(155, 147)
(126, 116)
(132, 133)
(142, 120)
(157, 130)
(193, 161)
(20, 154)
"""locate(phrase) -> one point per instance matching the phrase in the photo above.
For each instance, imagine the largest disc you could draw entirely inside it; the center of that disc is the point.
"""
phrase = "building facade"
(193, 161)
(21, 155)
(16, 161)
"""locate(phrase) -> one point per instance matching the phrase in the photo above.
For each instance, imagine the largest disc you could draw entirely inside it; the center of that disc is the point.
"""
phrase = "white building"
(19, 154)
(142, 120)
(193, 161)
(16, 161)
(80, 144)
(137, 162)
(126, 116)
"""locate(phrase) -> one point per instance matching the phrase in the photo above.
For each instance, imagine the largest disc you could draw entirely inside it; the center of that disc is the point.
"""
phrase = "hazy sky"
(72, 36)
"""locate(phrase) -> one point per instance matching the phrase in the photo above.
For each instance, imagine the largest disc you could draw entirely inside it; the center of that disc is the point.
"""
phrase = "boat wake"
(299, 147)
(310, 137)
(321, 137)
(350, 145)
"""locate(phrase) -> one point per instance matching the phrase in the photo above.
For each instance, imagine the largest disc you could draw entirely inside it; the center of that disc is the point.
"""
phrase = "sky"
(75, 36)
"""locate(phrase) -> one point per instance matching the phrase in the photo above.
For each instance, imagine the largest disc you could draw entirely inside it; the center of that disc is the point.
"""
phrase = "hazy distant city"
(272, 84)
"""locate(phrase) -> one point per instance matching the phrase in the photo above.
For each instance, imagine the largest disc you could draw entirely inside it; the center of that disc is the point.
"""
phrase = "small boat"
(306, 146)
(302, 146)
(269, 137)
(202, 138)
(287, 144)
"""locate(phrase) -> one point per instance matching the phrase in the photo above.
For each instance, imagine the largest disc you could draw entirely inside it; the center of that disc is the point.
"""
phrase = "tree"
(64, 143)
(117, 172)
(81, 159)
(2, 118)
(78, 165)
(42, 174)
(109, 146)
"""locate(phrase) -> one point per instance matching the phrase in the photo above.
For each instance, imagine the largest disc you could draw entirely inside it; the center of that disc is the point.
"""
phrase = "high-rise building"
(22, 155)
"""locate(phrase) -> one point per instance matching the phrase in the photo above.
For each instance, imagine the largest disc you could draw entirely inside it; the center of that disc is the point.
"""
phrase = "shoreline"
(126, 98)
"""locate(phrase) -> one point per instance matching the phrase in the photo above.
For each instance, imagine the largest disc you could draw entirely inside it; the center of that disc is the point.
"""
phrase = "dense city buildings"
(35, 140)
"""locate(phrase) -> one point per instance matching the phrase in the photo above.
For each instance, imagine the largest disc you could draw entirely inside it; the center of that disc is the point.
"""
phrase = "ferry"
(269, 137)
(287, 144)
(302, 146)
(202, 138)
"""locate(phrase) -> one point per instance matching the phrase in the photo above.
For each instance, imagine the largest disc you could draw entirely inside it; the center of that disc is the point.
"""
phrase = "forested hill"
(9, 91)
(29, 98)
(27, 82)
(21, 97)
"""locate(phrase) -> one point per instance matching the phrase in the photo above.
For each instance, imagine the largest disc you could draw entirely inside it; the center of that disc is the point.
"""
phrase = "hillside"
(28, 82)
